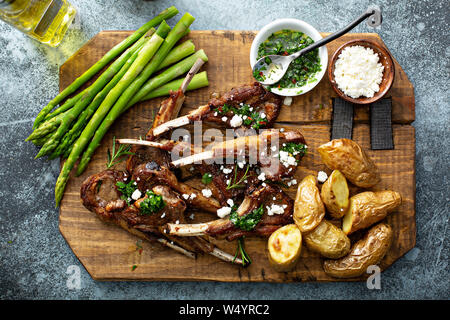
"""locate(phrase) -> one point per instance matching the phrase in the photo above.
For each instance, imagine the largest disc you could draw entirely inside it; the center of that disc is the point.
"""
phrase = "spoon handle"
(335, 35)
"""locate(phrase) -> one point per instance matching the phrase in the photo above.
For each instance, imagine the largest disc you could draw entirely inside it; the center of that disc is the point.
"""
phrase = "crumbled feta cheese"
(236, 121)
(192, 216)
(215, 114)
(281, 129)
(207, 193)
(138, 179)
(227, 170)
(224, 211)
(263, 184)
(262, 176)
(274, 209)
(135, 183)
(177, 222)
(293, 182)
(322, 176)
(274, 148)
(263, 115)
(224, 119)
(240, 164)
(163, 215)
(192, 196)
(230, 202)
(286, 159)
(136, 194)
(185, 196)
(358, 72)
(287, 101)
(228, 182)
(191, 169)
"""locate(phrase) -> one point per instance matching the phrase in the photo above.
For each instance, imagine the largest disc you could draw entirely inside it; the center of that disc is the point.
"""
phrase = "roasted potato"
(284, 247)
(308, 207)
(335, 193)
(350, 159)
(328, 240)
(368, 251)
(368, 207)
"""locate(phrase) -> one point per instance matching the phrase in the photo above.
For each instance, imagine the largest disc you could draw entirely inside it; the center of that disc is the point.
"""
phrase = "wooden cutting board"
(109, 253)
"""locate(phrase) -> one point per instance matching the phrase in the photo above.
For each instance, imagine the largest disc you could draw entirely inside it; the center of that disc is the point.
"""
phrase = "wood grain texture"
(108, 252)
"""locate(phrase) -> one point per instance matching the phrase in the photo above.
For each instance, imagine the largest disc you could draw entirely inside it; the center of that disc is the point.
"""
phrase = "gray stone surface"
(33, 255)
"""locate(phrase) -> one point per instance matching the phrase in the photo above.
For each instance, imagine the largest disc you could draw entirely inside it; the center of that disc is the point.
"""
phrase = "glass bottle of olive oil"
(44, 20)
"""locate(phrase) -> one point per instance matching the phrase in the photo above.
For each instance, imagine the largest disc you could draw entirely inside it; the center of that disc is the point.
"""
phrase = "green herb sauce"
(303, 69)
(126, 189)
(249, 221)
(153, 203)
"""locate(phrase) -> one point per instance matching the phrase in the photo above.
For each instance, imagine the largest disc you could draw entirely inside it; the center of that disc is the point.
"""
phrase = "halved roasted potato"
(308, 207)
(328, 240)
(368, 251)
(335, 193)
(284, 247)
(350, 159)
(369, 207)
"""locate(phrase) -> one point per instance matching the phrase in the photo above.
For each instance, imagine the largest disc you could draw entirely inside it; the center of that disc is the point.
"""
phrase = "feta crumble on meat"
(230, 202)
(227, 171)
(136, 194)
(236, 121)
(207, 193)
(223, 212)
(262, 176)
(274, 209)
(286, 159)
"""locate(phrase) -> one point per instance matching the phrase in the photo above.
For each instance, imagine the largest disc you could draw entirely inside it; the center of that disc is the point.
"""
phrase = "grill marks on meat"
(224, 228)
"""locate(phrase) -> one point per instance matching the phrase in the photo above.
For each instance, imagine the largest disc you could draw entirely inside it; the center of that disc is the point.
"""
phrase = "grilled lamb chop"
(253, 104)
(100, 195)
(270, 198)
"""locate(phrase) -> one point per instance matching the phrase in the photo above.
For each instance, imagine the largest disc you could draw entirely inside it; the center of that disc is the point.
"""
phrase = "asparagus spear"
(176, 54)
(47, 127)
(146, 53)
(66, 106)
(175, 71)
(91, 92)
(122, 103)
(83, 119)
(108, 57)
(200, 80)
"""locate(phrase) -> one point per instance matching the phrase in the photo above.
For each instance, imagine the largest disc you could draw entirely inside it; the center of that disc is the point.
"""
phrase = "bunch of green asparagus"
(147, 64)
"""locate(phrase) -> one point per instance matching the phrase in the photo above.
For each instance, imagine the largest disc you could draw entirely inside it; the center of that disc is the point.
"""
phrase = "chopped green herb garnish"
(294, 149)
(207, 178)
(249, 116)
(153, 203)
(133, 267)
(248, 221)
(126, 189)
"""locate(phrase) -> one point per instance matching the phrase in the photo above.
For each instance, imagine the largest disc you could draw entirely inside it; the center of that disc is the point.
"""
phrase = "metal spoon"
(278, 66)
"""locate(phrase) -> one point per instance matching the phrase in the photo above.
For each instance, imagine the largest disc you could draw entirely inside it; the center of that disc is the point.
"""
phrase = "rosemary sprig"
(238, 184)
(246, 261)
(114, 157)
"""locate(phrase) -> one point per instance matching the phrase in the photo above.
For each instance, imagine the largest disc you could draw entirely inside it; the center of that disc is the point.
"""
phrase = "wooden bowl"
(385, 60)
